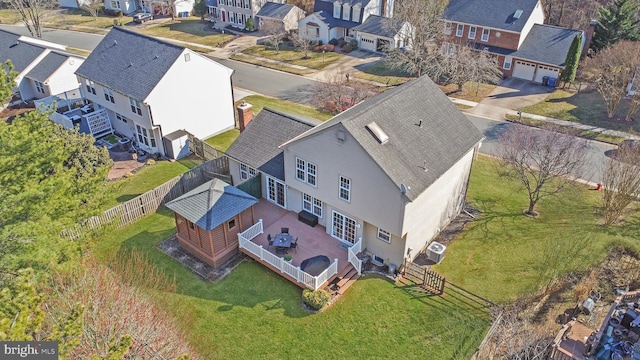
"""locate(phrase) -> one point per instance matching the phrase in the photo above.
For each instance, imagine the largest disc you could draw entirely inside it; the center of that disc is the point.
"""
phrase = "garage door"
(367, 44)
(524, 70)
(546, 71)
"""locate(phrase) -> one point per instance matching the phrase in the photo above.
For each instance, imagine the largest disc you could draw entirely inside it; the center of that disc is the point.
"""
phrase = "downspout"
(158, 141)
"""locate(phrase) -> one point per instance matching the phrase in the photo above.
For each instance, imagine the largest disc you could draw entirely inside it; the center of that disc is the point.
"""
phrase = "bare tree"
(634, 100)
(621, 182)
(32, 13)
(301, 44)
(422, 53)
(275, 34)
(573, 14)
(466, 64)
(93, 7)
(337, 93)
(543, 160)
(611, 70)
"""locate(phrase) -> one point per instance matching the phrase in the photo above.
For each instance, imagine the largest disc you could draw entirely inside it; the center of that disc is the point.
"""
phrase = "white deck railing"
(353, 255)
(310, 281)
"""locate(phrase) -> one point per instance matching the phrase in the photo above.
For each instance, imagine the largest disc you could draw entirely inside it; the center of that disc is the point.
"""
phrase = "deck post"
(261, 250)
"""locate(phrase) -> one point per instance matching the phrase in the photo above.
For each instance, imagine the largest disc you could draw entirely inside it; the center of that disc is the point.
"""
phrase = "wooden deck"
(312, 241)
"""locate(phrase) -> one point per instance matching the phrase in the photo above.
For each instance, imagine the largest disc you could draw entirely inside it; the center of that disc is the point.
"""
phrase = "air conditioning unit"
(435, 252)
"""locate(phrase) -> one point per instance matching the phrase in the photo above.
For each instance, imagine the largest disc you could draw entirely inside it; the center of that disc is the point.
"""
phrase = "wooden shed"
(209, 218)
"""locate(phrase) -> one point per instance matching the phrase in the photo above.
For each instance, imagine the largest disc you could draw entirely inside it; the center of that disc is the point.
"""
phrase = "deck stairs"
(343, 280)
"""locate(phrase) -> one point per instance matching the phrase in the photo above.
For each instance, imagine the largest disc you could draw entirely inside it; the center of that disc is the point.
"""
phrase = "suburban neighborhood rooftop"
(491, 13)
(547, 44)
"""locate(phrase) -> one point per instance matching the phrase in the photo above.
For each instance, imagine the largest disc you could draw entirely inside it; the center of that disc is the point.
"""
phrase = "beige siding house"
(389, 172)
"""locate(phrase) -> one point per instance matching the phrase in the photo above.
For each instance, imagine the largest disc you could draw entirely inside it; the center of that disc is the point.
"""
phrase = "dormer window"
(356, 13)
(336, 10)
(346, 11)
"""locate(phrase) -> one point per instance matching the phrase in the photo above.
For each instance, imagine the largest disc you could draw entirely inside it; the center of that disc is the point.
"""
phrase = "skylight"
(375, 130)
(517, 14)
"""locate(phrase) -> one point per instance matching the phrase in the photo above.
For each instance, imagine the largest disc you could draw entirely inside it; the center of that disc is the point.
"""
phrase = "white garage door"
(524, 70)
(367, 44)
(546, 71)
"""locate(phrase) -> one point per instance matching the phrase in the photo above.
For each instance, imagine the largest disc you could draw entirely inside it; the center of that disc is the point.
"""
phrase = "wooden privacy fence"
(202, 149)
(149, 202)
(430, 280)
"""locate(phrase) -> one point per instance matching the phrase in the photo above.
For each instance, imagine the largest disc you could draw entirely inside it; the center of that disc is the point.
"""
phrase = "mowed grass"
(585, 108)
(71, 17)
(382, 73)
(505, 254)
(223, 141)
(147, 178)
(190, 29)
(289, 55)
(255, 314)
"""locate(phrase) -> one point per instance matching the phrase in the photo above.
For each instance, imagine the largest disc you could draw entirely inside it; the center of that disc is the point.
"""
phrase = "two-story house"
(513, 31)
(235, 12)
(159, 7)
(336, 19)
(389, 172)
(146, 89)
(43, 69)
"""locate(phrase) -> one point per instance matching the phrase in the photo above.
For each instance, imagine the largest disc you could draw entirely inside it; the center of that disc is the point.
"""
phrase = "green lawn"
(255, 314)
(505, 254)
(190, 29)
(224, 140)
(586, 108)
(147, 178)
(289, 55)
(381, 72)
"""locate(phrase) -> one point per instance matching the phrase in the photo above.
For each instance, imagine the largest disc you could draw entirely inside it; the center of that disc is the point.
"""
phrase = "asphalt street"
(298, 89)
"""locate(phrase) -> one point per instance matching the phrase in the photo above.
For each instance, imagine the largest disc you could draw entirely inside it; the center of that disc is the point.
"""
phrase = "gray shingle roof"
(212, 204)
(380, 25)
(324, 10)
(257, 146)
(20, 53)
(46, 67)
(212, 3)
(547, 44)
(274, 10)
(496, 14)
(444, 137)
(129, 63)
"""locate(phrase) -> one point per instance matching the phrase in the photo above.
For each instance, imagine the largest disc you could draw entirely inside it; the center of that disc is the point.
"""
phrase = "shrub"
(333, 41)
(354, 44)
(287, 257)
(316, 299)
(319, 42)
(347, 48)
(117, 22)
(250, 25)
(111, 12)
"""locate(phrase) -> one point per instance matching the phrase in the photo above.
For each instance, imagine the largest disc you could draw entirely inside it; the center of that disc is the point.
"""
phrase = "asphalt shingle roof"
(425, 130)
(274, 10)
(380, 25)
(324, 10)
(496, 14)
(46, 67)
(212, 204)
(257, 146)
(20, 53)
(212, 3)
(129, 63)
(547, 44)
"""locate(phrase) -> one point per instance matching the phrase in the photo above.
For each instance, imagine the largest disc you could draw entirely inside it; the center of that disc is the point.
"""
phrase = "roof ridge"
(558, 27)
(131, 32)
(288, 116)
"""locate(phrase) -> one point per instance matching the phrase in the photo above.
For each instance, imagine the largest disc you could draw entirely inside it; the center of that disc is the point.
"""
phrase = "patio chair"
(294, 245)
(281, 250)
(270, 240)
(284, 231)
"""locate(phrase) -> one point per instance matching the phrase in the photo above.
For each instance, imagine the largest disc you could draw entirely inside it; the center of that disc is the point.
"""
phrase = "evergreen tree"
(7, 80)
(617, 21)
(571, 63)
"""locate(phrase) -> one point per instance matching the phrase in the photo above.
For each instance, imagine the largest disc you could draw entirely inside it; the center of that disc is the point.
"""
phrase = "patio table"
(282, 240)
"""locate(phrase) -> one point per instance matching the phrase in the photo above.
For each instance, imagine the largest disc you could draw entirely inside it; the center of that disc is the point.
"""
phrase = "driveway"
(514, 94)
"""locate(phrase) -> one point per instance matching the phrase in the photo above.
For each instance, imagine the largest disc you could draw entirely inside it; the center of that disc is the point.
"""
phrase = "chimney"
(589, 37)
(245, 114)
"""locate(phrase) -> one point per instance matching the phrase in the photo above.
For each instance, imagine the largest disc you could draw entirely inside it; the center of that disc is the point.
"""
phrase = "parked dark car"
(142, 17)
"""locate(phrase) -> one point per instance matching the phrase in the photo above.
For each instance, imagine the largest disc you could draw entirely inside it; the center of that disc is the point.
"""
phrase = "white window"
(115, 4)
(345, 189)
(121, 118)
(232, 18)
(344, 227)
(306, 172)
(312, 205)
(145, 137)
(108, 95)
(91, 86)
(246, 4)
(384, 235)
(313, 31)
(39, 87)
(447, 28)
(246, 172)
(378, 259)
(346, 12)
(336, 10)
(135, 106)
(242, 19)
(485, 35)
(507, 63)
(472, 32)
(356, 13)
(459, 30)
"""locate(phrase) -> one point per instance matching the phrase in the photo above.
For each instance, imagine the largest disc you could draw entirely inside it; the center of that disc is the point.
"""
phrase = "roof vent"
(115, 42)
(341, 136)
(419, 123)
(404, 188)
(377, 132)
(424, 166)
(517, 14)
(16, 44)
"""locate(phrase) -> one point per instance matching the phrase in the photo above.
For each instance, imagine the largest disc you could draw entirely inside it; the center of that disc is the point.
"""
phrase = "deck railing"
(310, 281)
(353, 255)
